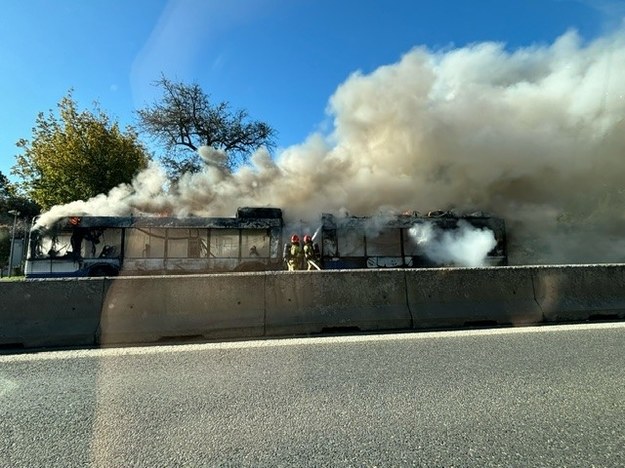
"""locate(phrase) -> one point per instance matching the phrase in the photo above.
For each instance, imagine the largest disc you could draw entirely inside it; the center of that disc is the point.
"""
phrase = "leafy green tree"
(184, 119)
(77, 155)
(10, 200)
(5, 241)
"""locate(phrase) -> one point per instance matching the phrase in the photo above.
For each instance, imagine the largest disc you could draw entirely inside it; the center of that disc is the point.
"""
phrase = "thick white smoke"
(535, 135)
(146, 194)
(464, 246)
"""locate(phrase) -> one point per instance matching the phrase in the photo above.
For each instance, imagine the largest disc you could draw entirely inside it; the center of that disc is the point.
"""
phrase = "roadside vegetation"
(74, 154)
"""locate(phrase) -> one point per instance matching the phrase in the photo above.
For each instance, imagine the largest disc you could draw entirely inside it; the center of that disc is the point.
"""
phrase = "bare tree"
(185, 119)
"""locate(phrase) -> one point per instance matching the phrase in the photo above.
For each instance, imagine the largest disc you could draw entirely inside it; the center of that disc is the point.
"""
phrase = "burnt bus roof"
(446, 219)
(253, 212)
(268, 218)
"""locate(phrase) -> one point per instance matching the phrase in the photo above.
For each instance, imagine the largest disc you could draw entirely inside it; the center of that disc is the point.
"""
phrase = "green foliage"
(185, 119)
(76, 155)
(6, 189)
(9, 201)
(5, 246)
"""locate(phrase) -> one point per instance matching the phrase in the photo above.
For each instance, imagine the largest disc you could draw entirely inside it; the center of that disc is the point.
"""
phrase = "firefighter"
(311, 252)
(293, 254)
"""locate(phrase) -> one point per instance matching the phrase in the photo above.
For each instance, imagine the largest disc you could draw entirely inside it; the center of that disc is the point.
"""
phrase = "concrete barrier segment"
(307, 302)
(50, 313)
(149, 309)
(455, 297)
(580, 292)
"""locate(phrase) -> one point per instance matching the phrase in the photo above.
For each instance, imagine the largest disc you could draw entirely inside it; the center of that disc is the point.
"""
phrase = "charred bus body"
(108, 246)
(250, 241)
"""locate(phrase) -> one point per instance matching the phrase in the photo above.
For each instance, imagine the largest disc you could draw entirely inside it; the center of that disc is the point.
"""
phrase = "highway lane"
(541, 396)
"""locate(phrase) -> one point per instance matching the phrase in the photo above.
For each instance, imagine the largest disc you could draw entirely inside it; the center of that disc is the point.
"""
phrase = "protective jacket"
(311, 255)
(294, 257)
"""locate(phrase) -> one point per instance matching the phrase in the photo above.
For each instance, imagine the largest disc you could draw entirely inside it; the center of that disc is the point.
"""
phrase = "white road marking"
(280, 342)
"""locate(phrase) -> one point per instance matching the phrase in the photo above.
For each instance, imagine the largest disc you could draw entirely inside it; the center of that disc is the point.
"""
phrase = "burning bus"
(108, 246)
(252, 240)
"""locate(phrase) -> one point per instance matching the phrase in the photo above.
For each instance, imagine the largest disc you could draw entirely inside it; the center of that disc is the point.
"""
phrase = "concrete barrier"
(87, 312)
(155, 308)
(314, 301)
(455, 297)
(50, 313)
(580, 292)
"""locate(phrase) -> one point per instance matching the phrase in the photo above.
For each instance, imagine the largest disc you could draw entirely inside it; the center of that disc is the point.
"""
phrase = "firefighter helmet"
(294, 238)
(307, 238)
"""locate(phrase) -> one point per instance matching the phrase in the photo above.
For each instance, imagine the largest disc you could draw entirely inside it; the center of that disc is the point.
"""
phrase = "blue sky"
(280, 59)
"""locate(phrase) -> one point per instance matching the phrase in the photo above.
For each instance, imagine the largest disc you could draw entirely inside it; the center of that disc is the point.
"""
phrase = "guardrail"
(152, 309)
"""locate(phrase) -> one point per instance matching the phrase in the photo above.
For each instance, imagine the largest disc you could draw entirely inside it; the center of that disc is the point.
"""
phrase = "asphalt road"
(543, 396)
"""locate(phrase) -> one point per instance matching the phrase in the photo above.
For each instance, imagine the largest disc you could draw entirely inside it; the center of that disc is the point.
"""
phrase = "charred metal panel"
(329, 243)
(255, 213)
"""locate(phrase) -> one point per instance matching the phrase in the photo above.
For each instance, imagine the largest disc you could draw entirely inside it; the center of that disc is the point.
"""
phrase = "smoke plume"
(535, 135)
(465, 246)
